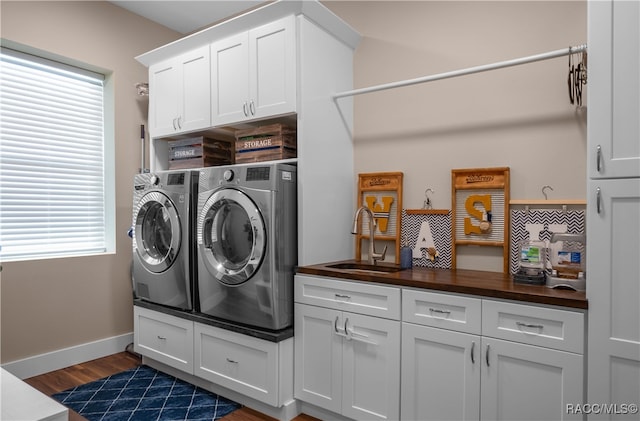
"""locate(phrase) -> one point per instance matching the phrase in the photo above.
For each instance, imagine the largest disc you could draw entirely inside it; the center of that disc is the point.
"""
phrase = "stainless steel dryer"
(247, 243)
(162, 260)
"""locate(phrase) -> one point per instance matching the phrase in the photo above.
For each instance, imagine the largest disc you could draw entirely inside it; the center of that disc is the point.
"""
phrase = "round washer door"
(157, 232)
(231, 236)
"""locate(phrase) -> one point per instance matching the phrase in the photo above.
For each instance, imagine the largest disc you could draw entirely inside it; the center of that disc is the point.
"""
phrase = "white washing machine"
(163, 203)
(247, 243)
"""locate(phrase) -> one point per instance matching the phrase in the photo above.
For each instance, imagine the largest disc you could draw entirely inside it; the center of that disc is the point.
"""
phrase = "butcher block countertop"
(474, 282)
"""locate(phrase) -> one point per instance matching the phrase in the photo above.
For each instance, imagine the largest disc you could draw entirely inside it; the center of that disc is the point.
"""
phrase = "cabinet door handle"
(358, 337)
(598, 158)
(335, 328)
(530, 326)
(473, 351)
(598, 200)
(174, 124)
(487, 356)
(162, 338)
(179, 119)
(245, 109)
(252, 108)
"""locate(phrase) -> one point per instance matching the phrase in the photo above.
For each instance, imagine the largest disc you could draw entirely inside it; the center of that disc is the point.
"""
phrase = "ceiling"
(186, 16)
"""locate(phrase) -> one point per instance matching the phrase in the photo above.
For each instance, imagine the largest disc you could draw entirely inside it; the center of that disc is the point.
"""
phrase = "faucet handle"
(379, 256)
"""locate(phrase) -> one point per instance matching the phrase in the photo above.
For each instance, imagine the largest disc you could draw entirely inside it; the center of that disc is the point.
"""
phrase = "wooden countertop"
(474, 282)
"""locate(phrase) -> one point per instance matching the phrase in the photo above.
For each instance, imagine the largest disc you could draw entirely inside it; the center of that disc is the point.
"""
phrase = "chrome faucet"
(373, 256)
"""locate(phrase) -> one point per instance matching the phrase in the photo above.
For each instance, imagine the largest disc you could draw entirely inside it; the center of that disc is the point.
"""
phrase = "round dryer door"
(157, 232)
(231, 236)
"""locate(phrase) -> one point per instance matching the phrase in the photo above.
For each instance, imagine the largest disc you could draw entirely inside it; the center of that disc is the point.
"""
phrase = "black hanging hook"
(570, 81)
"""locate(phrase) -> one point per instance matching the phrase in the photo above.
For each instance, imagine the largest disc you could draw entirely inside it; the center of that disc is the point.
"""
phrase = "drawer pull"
(346, 297)
(162, 338)
(231, 361)
(530, 326)
(473, 351)
(438, 311)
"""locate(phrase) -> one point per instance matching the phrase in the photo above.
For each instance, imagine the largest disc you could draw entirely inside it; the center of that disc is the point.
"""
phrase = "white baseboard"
(62, 358)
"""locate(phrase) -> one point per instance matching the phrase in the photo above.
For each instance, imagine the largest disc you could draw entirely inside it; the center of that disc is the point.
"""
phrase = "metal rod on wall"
(463, 72)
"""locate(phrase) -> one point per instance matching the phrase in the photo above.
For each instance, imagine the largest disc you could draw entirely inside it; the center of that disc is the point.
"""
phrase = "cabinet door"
(525, 382)
(371, 368)
(272, 68)
(163, 98)
(613, 289)
(164, 338)
(230, 79)
(614, 89)
(440, 374)
(239, 362)
(318, 357)
(195, 88)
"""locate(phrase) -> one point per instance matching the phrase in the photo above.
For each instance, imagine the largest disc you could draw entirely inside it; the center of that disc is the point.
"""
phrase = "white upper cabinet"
(179, 99)
(254, 73)
(614, 89)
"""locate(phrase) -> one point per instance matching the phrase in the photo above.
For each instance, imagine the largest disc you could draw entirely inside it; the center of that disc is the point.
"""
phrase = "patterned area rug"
(144, 394)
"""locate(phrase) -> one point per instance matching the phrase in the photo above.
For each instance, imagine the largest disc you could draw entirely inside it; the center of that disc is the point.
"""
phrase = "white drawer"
(447, 311)
(356, 297)
(542, 326)
(164, 338)
(241, 363)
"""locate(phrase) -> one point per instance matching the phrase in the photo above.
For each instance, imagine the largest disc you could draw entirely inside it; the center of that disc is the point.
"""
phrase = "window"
(52, 159)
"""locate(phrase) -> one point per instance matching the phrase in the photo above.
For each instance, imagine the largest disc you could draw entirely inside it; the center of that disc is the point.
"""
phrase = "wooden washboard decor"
(480, 209)
(382, 193)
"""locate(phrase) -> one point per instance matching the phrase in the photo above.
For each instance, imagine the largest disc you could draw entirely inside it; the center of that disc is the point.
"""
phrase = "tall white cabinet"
(613, 207)
(279, 63)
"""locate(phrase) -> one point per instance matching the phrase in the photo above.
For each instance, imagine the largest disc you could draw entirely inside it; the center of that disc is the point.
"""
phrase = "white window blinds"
(52, 170)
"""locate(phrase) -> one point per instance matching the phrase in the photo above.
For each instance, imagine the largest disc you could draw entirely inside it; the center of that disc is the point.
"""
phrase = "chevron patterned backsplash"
(440, 229)
(573, 219)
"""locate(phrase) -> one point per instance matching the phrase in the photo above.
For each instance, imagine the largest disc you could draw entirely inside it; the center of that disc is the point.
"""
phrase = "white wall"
(518, 117)
(53, 304)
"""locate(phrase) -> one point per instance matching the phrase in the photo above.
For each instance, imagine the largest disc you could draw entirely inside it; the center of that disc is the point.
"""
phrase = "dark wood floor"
(66, 378)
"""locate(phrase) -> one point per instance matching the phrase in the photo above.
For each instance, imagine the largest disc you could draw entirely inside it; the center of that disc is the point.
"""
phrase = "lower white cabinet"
(254, 367)
(239, 362)
(489, 359)
(440, 374)
(164, 338)
(525, 382)
(345, 362)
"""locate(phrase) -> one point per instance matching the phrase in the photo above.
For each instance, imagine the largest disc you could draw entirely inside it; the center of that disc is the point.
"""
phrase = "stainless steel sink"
(365, 267)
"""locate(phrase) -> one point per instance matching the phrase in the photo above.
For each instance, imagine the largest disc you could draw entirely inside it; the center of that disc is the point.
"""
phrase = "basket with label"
(197, 152)
(265, 143)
